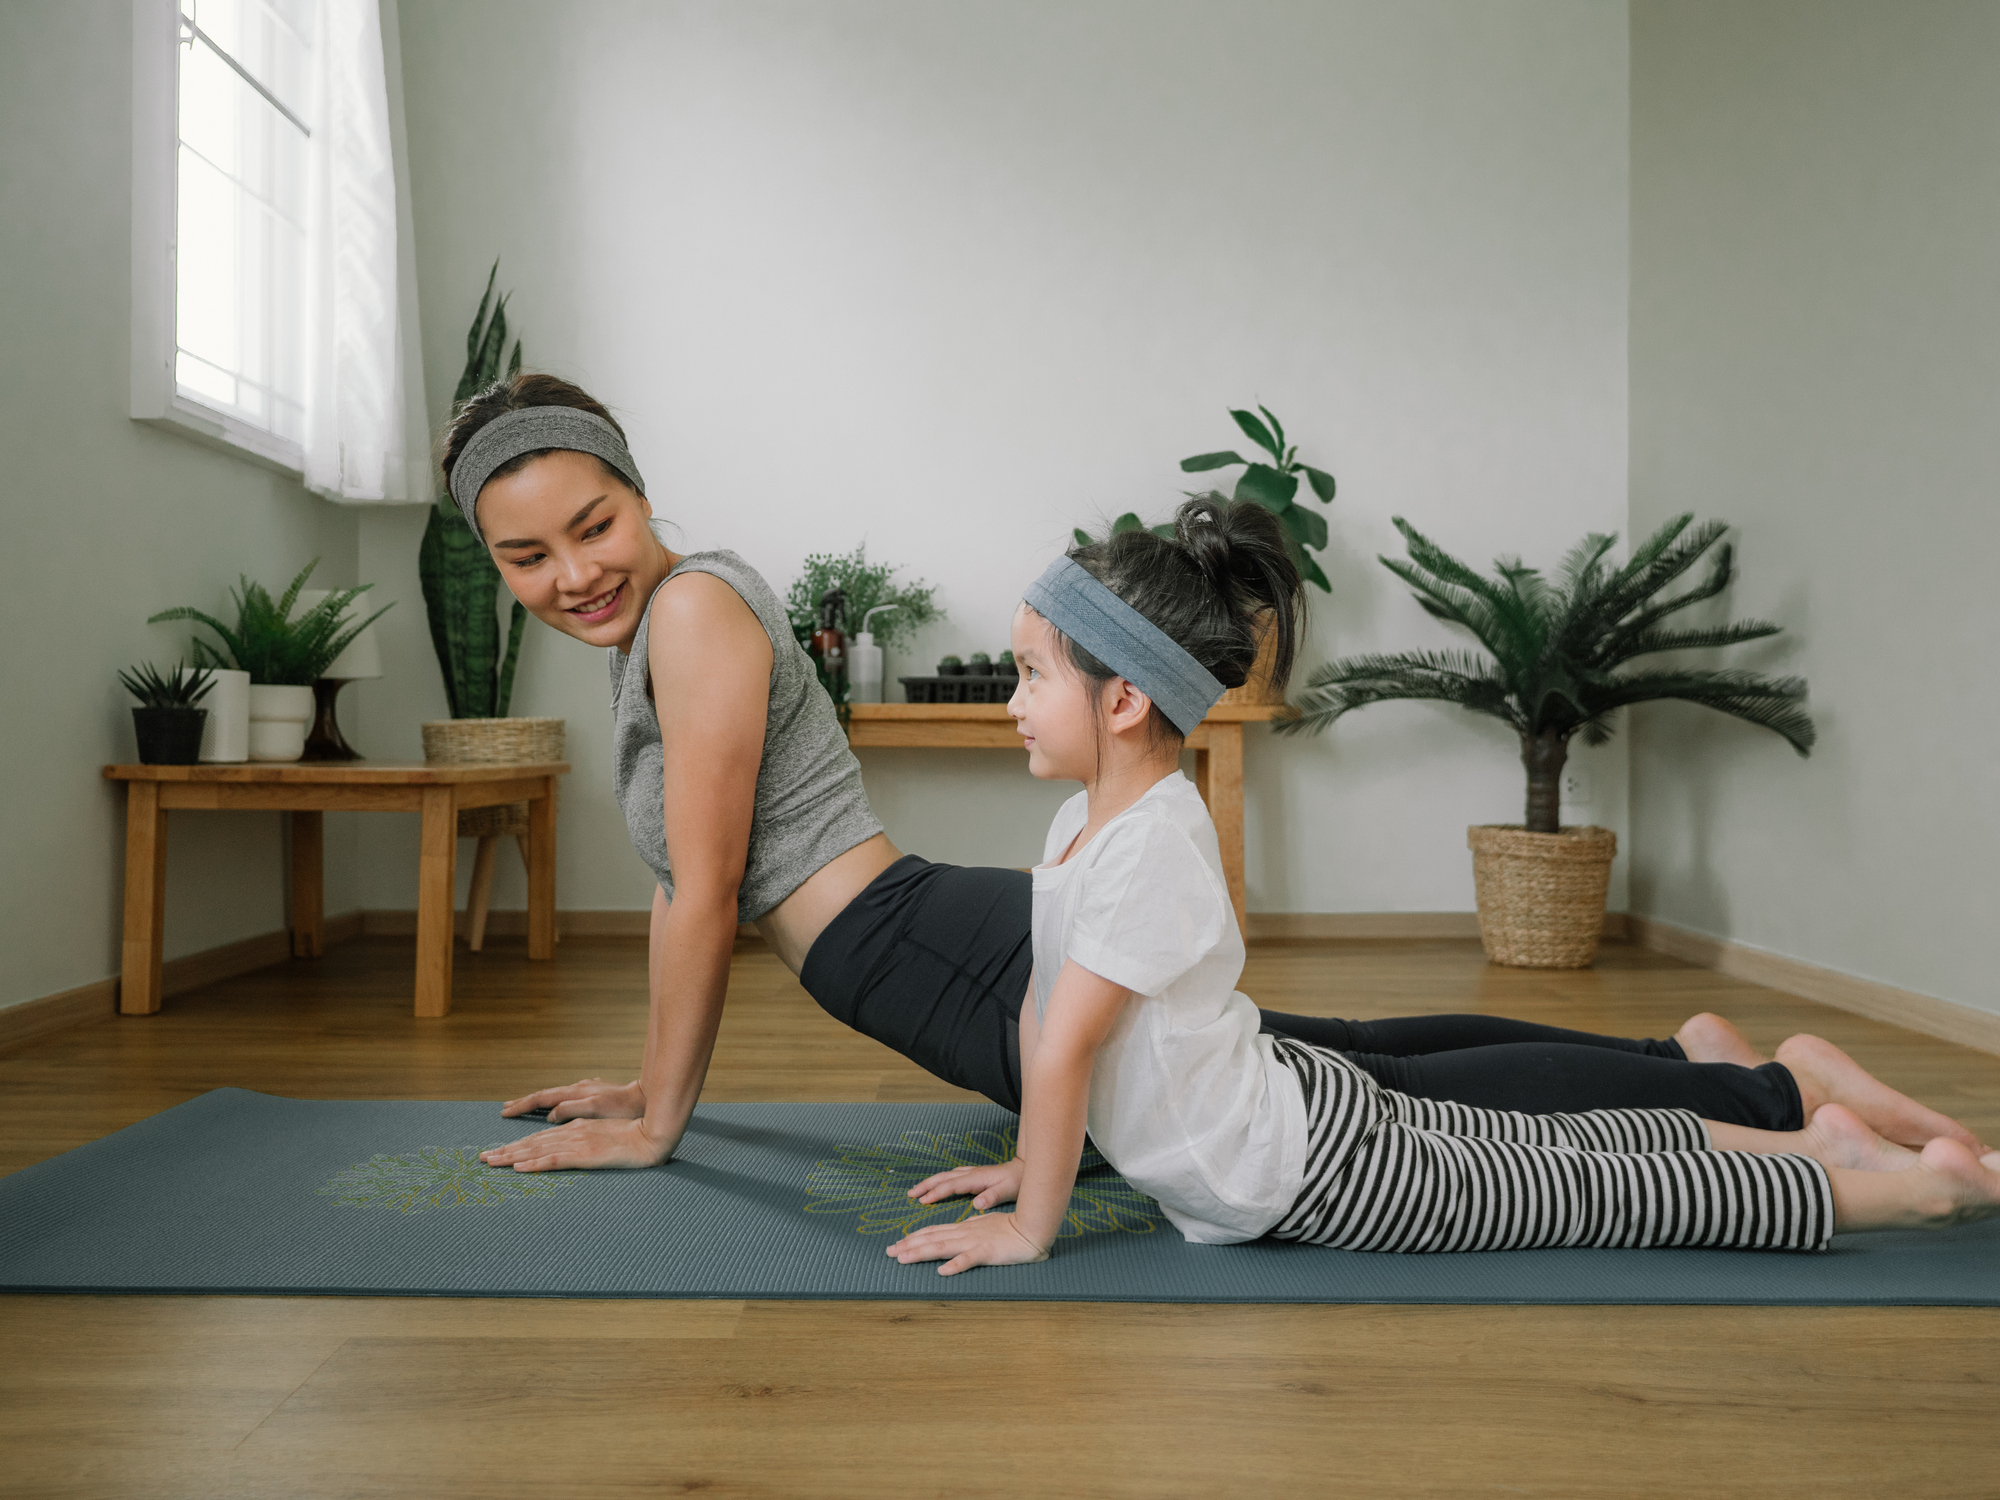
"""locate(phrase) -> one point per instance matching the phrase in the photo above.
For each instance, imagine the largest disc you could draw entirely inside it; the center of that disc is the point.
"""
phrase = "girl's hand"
(988, 1240)
(583, 1143)
(592, 1099)
(991, 1185)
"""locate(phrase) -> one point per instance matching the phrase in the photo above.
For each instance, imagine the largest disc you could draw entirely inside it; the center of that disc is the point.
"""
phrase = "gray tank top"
(810, 806)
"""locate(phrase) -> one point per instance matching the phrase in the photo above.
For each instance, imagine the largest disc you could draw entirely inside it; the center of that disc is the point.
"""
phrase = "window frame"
(156, 398)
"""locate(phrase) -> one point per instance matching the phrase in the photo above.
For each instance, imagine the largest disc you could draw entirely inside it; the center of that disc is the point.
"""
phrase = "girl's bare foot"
(1974, 1179)
(1708, 1038)
(1837, 1137)
(1826, 1075)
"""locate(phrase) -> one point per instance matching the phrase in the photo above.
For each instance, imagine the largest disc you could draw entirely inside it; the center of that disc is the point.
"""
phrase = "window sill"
(214, 429)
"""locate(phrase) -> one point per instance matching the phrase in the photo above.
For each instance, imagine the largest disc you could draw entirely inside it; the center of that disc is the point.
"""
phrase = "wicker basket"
(1257, 691)
(1541, 895)
(488, 742)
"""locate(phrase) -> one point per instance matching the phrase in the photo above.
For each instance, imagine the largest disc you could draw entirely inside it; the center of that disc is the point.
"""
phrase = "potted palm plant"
(1559, 665)
(461, 600)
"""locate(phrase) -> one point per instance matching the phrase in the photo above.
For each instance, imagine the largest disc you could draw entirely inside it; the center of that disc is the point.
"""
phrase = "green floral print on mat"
(873, 1183)
(438, 1177)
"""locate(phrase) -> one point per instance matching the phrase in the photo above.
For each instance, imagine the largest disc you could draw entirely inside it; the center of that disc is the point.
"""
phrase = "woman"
(740, 793)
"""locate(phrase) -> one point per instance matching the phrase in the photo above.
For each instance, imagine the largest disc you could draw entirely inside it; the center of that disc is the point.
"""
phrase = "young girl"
(1136, 1032)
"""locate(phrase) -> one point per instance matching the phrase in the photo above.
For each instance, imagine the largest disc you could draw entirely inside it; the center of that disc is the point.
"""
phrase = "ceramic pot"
(279, 717)
(226, 735)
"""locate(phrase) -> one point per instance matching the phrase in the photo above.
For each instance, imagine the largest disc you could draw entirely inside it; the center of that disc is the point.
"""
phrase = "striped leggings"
(1385, 1171)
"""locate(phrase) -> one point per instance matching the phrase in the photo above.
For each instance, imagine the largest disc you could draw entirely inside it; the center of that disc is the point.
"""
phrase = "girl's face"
(571, 540)
(1051, 707)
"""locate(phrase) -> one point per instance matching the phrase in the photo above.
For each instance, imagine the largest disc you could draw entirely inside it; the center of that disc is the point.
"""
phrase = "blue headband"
(1125, 641)
(530, 429)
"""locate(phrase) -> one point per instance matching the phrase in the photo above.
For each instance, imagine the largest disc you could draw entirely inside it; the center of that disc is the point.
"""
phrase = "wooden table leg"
(1218, 774)
(479, 895)
(145, 899)
(541, 853)
(435, 901)
(308, 883)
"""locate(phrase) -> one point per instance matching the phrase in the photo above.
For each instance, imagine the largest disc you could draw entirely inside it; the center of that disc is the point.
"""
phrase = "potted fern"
(461, 596)
(284, 656)
(1559, 665)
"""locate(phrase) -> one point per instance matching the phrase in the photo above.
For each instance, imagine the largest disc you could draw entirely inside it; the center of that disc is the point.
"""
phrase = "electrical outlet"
(1576, 786)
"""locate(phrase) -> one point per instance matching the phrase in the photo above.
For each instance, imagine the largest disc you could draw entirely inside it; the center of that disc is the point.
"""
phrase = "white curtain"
(362, 370)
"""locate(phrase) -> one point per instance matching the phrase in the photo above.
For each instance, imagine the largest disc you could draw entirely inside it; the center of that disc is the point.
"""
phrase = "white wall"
(951, 277)
(108, 521)
(1816, 356)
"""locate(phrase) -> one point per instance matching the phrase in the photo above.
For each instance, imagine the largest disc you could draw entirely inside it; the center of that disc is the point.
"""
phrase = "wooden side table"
(1217, 742)
(306, 790)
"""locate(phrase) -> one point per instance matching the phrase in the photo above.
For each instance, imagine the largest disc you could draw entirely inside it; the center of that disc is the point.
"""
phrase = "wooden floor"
(161, 1397)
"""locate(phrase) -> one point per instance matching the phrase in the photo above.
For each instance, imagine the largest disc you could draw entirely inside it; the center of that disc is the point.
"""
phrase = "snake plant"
(461, 584)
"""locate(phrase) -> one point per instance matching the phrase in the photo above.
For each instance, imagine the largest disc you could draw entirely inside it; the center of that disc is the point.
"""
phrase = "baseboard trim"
(32, 1019)
(1308, 926)
(1945, 1019)
(393, 922)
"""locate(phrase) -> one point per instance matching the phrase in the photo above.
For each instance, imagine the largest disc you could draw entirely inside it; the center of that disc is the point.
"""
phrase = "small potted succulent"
(1005, 666)
(284, 656)
(979, 665)
(167, 721)
(951, 666)
(1559, 665)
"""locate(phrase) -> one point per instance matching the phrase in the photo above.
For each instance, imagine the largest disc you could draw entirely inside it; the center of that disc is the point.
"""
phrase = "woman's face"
(1051, 706)
(572, 542)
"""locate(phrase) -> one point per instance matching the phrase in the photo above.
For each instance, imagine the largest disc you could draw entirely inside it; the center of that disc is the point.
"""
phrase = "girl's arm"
(710, 663)
(1056, 1061)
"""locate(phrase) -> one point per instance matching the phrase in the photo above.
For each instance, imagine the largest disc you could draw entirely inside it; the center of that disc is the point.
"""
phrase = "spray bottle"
(864, 662)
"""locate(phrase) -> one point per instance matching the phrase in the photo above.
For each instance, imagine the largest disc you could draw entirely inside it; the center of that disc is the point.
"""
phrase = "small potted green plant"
(284, 656)
(1559, 665)
(950, 666)
(168, 722)
(979, 664)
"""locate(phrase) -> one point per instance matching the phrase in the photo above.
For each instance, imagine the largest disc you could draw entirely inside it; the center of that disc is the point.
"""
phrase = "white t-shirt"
(1186, 1099)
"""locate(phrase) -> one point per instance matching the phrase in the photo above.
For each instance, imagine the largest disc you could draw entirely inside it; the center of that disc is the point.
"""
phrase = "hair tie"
(529, 429)
(1126, 641)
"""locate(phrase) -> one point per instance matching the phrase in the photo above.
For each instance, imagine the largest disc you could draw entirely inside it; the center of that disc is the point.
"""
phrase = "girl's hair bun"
(1212, 587)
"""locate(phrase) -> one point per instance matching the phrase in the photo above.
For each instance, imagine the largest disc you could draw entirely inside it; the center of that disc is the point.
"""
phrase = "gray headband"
(1125, 641)
(528, 430)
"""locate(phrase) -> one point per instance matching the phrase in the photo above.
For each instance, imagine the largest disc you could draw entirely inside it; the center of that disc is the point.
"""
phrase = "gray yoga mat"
(236, 1192)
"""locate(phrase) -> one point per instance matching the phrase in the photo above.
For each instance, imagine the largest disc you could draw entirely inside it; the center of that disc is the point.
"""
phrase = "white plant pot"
(225, 735)
(279, 717)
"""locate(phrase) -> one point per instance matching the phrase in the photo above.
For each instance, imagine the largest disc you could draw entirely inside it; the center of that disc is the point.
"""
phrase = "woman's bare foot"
(1949, 1185)
(1708, 1038)
(1826, 1075)
(1838, 1137)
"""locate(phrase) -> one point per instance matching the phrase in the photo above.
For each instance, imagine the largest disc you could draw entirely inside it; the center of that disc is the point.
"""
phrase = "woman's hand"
(988, 1240)
(583, 1143)
(592, 1099)
(990, 1185)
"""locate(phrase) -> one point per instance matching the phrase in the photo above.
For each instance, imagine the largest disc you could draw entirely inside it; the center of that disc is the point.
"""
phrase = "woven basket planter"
(488, 742)
(1541, 895)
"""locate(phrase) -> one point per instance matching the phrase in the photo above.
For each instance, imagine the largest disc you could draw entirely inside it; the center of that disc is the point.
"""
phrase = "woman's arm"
(1056, 1061)
(710, 664)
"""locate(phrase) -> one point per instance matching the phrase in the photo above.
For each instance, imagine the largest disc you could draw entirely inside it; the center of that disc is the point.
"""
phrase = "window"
(240, 212)
(222, 127)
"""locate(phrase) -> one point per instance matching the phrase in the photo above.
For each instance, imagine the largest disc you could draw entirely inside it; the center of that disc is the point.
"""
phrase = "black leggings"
(933, 961)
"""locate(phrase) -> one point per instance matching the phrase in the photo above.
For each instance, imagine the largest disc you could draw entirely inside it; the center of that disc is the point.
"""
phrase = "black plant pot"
(169, 736)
